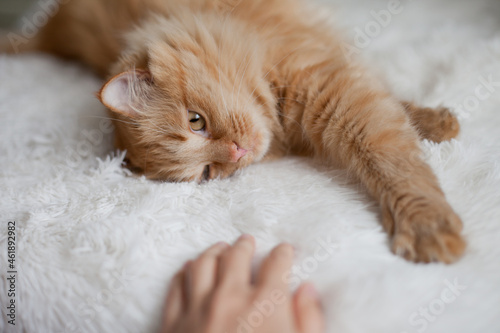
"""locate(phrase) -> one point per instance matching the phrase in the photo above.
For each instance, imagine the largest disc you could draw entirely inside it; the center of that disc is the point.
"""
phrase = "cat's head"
(190, 116)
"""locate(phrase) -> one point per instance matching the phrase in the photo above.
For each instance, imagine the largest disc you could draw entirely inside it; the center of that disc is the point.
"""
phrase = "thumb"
(308, 311)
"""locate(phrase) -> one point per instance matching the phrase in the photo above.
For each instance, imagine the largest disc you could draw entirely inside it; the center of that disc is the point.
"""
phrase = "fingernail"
(222, 245)
(186, 265)
(310, 291)
(246, 237)
(289, 247)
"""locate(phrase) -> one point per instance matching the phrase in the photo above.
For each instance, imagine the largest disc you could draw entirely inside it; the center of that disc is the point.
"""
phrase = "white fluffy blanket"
(96, 247)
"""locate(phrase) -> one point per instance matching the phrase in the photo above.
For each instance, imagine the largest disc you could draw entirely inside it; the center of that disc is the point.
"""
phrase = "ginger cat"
(201, 88)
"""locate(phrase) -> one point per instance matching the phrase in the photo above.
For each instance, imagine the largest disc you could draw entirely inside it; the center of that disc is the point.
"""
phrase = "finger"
(308, 311)
(235, 264)
(274, 267)
(174, 305)
(203, 274)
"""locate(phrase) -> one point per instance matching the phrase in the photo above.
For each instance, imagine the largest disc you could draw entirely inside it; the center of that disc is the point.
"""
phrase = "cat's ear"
(122, 93)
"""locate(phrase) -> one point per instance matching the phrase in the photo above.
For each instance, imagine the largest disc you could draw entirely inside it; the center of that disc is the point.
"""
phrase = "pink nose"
(237, 152)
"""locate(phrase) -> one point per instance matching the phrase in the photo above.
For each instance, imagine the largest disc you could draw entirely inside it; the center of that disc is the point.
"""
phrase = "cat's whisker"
(158, 130)
(282, 115)
(112, 119)
(246, 67)
(282, 98)
(163, 131)
(292, 99)
(281, 87)
(226, 17)
(222, 94)
(244, 71)
(279, 62)
(239, 68)
(241, 80)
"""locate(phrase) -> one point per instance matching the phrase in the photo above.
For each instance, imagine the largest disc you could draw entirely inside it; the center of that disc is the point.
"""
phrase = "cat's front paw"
(429, 231)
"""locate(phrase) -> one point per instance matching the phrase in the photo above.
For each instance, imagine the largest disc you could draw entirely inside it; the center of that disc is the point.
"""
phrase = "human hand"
(214, 294)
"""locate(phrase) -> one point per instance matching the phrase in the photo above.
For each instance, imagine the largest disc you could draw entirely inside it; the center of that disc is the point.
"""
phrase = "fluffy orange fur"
(268, 78)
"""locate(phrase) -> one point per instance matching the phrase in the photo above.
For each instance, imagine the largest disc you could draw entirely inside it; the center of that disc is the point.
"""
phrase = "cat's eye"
(206, 174)
(196, 121)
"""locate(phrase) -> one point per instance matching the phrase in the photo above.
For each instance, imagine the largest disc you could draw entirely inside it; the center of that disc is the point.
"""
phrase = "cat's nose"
(236, 152)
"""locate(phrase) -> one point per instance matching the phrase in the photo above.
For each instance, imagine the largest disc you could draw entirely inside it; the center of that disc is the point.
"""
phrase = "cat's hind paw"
(435, 124)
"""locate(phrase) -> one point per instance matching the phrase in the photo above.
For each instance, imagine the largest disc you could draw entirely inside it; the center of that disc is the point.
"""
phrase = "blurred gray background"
(11, 10)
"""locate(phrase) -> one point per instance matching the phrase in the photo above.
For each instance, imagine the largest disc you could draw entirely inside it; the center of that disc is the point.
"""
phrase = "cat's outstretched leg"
(437, 124)
(368, 132)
